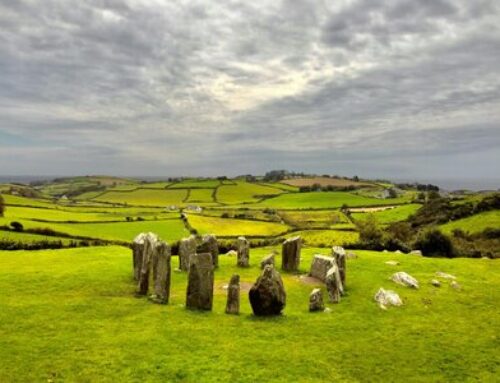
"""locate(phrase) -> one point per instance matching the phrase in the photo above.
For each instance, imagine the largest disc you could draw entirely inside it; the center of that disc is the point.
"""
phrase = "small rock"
(417, 253)
(445, 276)
(231, 253)
(405, 279)
(398, 252)
(327, 310)
(316, 301)
(392, 263)
(436, 283)
(455, 285)
(387, 298)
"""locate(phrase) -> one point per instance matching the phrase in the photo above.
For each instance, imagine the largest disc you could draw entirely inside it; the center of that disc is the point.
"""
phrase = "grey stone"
(455, 285)
(338, 253)
(316, 301)
(267, 260)
(440, 274)
(161, 272)
(138, 251)
(187, 248)
(392, 263)
(233, 295)
(200, 290)
(267, 295)
(243, 252)
(209, 245)
(333, 284)
(290, 254)
(320, 266)
(387, 298)
(405, 279)
(418, 253)
(436, 283)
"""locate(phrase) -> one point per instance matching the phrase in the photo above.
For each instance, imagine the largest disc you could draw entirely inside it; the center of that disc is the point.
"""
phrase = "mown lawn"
(70, 315)
(475, 223)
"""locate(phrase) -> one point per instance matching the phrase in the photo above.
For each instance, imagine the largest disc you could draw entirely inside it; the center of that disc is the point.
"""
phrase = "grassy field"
(201, 184)
(316, 219)
(84, 324)
(323, 200)
(200, 196)
(398, 213)
(28, 238)
(244, 192)
(475, 223)
(328, 238)
(227, 227)
(145, 197)
(324, 181)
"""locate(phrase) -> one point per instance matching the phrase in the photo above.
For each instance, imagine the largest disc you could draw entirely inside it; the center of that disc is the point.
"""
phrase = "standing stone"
(290, 254)
(200, 290)
(334, 284)
(267, 295)
(243, 250)
(148, 239)
(267, 260)
(187, 248)
(161, 272)
(209, 245)
(338, 253)
(233, 295)
(320, 266)
(137, 252)
(316, 301)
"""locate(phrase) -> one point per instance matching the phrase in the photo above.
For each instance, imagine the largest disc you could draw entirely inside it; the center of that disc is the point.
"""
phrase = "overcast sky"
(401, 89)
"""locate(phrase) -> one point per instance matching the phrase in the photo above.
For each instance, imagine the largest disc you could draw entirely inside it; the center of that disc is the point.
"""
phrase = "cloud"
(200, 87)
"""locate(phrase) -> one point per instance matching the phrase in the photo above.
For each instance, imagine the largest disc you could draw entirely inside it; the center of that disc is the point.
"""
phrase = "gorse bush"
(433, 243)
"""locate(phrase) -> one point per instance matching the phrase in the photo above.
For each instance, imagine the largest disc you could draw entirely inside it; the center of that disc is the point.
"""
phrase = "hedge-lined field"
(475, 223)
(395, 214)
(145, 197)
(244, 192)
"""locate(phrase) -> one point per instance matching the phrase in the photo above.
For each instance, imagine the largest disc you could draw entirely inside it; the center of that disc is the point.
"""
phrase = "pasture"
(395, 214)
(145, 197)
(475, 223)
(84, 324)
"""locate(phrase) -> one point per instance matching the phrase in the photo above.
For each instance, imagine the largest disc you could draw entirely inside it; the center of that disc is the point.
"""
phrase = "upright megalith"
(267, 260)
(233, 295)
(320, 266)
(316, 301)
(334, 284)
(243, 252)
(200, 290)
(290, 254)
(209, 245)
(187, 248)
(155, 255)
(267, 295)
(138, 251)
(339, 254)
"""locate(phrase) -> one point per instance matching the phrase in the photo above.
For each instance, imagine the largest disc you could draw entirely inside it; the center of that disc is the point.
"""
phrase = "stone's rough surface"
(267, 260)
(392, 263)
(200, 288)
(338, 253)
(231, 253)
(334, 284)
(316, 301)
(455, 285)
(445, 276)
(387, 298)
(233, 295)
(161, 272)
(187, 248)
(405, 279)
(351, 255)
(290, 254)
(418, 253)
(320, 266)
(209, 245)
(436, 283)
(267, 295)
(243, 250)
(138, 251)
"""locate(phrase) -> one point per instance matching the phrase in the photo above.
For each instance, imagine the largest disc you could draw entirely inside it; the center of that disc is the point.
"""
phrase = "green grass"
(398, 213)
(227, 227)
(322, 200)
(200, 196)
(315, 219)
(23, 201)
(145, 197)
(327, 238)
(71, 315)
(475, 223)
(244, 192)
(28, 237)
(202, 184)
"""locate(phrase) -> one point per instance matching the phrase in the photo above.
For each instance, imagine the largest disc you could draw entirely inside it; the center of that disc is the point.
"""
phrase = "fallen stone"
(327, 310)
(445, 276)
(405, 279)
(187, 248)
(267, 295)
(243, 252)
(320, 266)
(200, 290)
(436, 283)
(209, 245)
(338, 253)
(418, 253)
(233, 295)
(387, 298)
(316, 301)
(290, 254)
(398, 252)
(456, 285)
(231, 253)
(392, 263)
(267, 260)
(334, 284)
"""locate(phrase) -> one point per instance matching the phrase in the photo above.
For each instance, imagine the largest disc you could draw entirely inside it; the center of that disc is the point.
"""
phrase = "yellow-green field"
(475, 223)
(145, 197)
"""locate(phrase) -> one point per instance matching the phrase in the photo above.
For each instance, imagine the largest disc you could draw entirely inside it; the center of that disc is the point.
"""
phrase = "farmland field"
(84, 324)
(244, 192)
(324, 181)
(191, 184)
(27, 237)
(200, 196)
(475, 223)
(313, 219)
(327, 238)
(398, 213)
(145, 197)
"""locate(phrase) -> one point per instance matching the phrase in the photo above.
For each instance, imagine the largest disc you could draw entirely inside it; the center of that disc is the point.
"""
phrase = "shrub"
(225, 215)
(369, 231)
(433, 243)
(17, 226)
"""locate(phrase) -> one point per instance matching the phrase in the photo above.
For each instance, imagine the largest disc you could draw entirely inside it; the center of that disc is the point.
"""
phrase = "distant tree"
(433, 243)
(355, 179)
(370, 232)
(2, 206)
(392, 193)
(17, 226)
(433, 194)
(275, 175)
